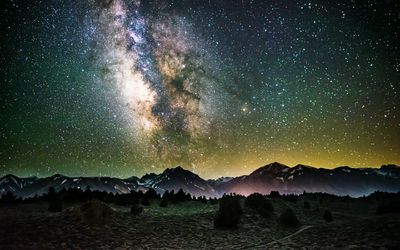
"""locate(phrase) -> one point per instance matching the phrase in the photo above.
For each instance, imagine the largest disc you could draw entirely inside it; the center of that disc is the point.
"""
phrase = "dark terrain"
(189, 225)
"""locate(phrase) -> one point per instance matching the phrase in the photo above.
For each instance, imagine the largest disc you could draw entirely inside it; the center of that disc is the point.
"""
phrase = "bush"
(136, 209)
(163, 203)
(306, 205)
(261, 204)
(328, 216)
(228, 215)
(94, 212)
(288, 218)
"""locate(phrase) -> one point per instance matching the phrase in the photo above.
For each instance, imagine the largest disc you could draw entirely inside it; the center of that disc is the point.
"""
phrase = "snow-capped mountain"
(340, 181)
(274, 176)
(177, 178)
(13, 183)
(59, 182)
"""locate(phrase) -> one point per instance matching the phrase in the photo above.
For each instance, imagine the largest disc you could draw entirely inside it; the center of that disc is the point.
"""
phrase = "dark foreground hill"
(189, 225)
(274, 176)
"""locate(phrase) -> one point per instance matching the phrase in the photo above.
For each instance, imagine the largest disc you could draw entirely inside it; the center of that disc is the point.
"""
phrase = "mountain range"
(274, 176)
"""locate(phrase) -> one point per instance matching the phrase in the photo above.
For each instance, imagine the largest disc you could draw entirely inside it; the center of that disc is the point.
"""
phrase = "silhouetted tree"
(229, 212)
(151, 194)
(274, 194)
(260, 204)
(181, 196)
(8, 197)
(213, 201)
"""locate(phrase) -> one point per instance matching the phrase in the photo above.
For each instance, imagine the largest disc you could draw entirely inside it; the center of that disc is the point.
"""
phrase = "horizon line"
(179, 166)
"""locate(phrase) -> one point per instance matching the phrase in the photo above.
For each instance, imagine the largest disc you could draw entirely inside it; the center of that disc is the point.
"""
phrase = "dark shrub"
(94, 212)
(151, 194)
(261, 204)
(164, 203)
(306, 205)
(288, 218)
(392, 206)
(229, 213)
(136, 209)
(328, 216)
(145, 201)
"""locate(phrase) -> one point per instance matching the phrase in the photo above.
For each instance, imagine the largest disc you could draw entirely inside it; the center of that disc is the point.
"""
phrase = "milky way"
(158, 74)
(117, 87)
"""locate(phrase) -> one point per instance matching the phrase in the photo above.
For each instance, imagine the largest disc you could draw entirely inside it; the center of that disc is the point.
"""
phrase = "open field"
(189, 225)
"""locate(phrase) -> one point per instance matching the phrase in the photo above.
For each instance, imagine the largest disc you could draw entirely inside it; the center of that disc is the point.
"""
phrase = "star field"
(123, 87)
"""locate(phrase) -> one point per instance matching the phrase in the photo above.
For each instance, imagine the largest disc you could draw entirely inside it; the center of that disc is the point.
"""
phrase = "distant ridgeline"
(272, 177)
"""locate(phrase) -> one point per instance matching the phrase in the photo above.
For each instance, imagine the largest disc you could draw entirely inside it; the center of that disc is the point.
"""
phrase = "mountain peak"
(57, 176)
(177, 169)
(302, 166)
(272, 168)
(9, 176)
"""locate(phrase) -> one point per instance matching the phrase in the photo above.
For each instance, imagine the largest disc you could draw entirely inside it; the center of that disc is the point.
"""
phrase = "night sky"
(122, 88)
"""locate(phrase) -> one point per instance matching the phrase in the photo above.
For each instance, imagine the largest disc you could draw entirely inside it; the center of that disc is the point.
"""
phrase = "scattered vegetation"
(306, 205)
(229, 212)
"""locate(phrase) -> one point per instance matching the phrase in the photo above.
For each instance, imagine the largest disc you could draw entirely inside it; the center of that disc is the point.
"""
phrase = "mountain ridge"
(275, 176)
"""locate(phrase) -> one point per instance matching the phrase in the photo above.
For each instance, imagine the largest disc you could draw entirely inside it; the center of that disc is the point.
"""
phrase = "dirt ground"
(189, 225)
